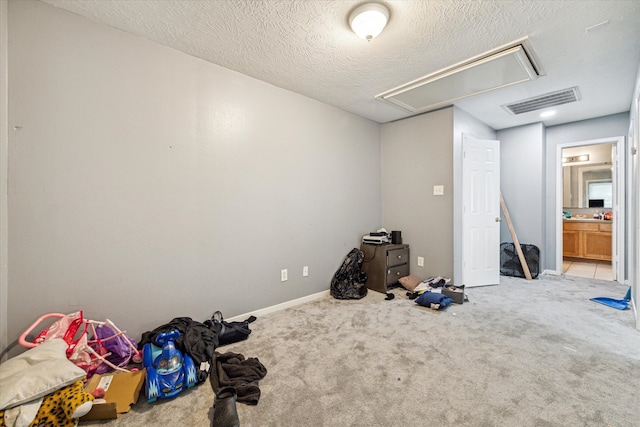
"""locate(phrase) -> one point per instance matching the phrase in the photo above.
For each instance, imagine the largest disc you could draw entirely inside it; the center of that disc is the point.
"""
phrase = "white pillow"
(37, 372)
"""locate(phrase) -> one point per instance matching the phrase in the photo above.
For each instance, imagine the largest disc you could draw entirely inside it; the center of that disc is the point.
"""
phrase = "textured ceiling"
(307, 47)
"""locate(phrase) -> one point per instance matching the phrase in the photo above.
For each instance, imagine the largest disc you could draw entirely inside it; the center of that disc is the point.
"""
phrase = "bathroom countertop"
(586, 220)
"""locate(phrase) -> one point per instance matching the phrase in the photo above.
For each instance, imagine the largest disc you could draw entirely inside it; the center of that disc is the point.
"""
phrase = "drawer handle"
(397, 273)
(399, 256)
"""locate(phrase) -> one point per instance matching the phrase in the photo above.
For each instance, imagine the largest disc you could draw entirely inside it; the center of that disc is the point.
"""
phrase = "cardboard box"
(121, 391)
(456, 293)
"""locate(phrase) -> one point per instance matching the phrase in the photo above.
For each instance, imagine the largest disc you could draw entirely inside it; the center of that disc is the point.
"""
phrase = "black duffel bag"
(229, 332)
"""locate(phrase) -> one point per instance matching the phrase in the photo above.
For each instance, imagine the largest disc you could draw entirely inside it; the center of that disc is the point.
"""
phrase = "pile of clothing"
(427, 292)
(233, 377)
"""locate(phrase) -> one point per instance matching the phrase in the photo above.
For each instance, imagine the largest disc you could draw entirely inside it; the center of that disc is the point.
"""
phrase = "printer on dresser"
(384, 264)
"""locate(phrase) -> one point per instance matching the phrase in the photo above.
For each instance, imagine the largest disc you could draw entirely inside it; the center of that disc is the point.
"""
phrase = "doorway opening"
(591, 227)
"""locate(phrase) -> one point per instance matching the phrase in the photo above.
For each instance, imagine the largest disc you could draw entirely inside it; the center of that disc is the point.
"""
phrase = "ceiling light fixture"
(368, 20)
(548, 113)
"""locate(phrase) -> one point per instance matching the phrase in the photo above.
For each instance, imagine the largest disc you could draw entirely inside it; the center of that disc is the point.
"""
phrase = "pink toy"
(89, 342)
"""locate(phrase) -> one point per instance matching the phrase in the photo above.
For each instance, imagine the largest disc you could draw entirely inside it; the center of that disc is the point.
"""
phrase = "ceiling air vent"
(507, 65)
(544, 101)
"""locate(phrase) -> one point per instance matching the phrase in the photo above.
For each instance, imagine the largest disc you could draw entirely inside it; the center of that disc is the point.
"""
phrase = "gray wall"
(146, 184)
(417, 153)
(598, 128)
(522, 183)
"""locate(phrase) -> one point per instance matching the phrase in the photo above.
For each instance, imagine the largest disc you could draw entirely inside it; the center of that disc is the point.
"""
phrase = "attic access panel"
(506, 67)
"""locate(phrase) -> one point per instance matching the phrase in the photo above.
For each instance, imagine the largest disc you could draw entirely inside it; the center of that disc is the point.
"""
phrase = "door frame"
(619, 223)
(4, 179)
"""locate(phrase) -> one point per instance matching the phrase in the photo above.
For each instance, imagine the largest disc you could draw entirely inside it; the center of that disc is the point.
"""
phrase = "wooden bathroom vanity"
(586, 238)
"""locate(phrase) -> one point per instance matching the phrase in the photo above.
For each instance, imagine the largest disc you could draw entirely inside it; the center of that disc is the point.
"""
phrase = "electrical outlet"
(305, 271)
(283, 275)
(438, 190)
(420, 261)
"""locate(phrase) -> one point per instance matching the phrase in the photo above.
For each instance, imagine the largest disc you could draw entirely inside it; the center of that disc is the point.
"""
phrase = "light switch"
(438, 190)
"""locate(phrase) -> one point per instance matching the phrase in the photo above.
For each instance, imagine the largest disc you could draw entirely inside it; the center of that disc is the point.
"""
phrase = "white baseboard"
(550, 273)
(281, 306)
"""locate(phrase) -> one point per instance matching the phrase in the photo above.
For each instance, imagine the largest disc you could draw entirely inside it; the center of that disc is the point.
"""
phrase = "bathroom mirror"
(587, 186)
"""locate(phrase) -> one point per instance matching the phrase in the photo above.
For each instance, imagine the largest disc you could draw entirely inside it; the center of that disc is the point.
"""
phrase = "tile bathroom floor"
(592, 270)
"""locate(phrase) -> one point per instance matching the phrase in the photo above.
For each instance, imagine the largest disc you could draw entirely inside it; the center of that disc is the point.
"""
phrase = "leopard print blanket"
(57, 408)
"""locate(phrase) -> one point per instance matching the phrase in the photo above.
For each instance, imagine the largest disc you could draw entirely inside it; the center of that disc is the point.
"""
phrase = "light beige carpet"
(522, 353)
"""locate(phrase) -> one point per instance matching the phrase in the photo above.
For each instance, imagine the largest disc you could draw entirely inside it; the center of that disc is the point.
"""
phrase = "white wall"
(598, 128)
(146, 184)
(417, 153)
(522, 183)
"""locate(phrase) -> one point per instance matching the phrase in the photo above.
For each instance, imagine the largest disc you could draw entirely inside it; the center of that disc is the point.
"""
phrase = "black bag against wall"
(348, 281)
(230, 332)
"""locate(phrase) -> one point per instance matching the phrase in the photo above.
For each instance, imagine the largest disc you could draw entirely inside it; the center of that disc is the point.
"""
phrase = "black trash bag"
(348, 281)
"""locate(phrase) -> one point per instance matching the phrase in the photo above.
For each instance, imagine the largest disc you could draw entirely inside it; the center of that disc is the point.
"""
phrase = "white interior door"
(481, 211)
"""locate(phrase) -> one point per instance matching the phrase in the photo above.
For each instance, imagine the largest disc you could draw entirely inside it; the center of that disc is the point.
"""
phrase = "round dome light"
(368, 20)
